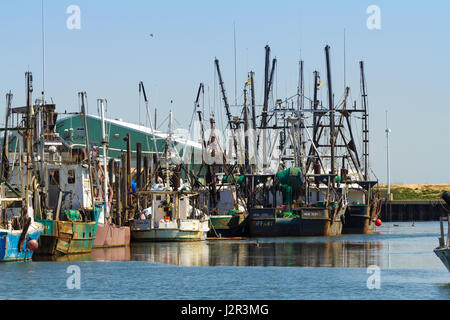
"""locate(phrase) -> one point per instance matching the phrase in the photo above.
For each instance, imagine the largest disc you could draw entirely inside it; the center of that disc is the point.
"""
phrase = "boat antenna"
(345, 66)
(43, 55)
(235, 66)
(388, 131)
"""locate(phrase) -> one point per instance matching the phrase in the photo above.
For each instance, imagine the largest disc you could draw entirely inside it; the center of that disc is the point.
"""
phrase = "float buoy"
(378, 222)
(32, 245)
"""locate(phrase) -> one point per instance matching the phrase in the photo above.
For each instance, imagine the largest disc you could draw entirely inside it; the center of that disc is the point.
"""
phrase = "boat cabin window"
(158, 198)
(53, 177)
(71, 177)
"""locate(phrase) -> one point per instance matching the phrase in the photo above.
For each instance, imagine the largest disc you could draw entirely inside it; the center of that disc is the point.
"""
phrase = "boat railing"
(442, 243)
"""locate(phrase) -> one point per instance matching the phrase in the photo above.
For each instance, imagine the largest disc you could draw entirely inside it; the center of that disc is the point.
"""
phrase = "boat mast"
(211, 178)
(105, 158)
(265, 104)
(315, 107)
(301, 106)
(252, 89)
(267, 88)
(331, 110)
(201, 89)
(227, 107)
(82, 95)
(246, 127)
(5, 158)
(29, 151)
(167, 151)
(5, 151)
(365, 123)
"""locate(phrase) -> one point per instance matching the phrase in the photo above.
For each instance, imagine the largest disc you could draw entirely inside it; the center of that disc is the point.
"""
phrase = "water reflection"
(98, 254)
(65, 258)
(390, 247)
(112, 254)
(336, 254)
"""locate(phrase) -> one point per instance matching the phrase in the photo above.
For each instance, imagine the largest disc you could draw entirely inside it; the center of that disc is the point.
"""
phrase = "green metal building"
(71, 129)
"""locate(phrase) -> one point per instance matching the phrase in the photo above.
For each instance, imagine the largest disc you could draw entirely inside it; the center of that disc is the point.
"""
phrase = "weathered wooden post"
(146, 180)
(138, 173)
(118, 193)
(138, 165)
(442, 237)
(448, 230)
(111, 170)
(111, 178)
(125, 192)
(145, 175)
(128, 171)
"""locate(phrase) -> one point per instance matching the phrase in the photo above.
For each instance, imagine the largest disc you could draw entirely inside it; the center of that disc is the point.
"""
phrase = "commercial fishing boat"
(364, 203)
(221, 195)
(300, 195)
(292, 218)
(170, 218)
(109, 234)
(19, 235)
(174, 214)
(227, 211)
(19, 232)
(60, 178)
(443, 251)
(363, 208)
(68, 209)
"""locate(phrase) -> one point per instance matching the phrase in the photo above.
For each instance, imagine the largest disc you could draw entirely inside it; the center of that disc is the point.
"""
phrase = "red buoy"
(32, 245)
(378, 222)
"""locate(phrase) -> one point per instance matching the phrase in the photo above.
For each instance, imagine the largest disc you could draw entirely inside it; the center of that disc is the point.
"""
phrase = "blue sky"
(407, 61)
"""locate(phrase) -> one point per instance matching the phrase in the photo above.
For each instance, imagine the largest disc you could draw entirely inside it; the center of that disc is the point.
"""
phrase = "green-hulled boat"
(64, 197)
(68, 237)
(228, 217)
(230, 225)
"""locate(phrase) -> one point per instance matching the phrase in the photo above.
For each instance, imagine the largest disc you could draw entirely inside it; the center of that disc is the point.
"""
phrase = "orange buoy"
(378, 222)
(32, 245)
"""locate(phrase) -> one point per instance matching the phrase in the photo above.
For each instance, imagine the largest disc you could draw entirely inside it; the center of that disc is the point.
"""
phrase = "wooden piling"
(111, 169)
(124, 180)
(118, 193)
(138, 165)
(128, 161)
(145, 175)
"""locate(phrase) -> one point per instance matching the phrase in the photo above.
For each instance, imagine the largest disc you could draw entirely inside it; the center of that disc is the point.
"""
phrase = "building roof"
(116, 131)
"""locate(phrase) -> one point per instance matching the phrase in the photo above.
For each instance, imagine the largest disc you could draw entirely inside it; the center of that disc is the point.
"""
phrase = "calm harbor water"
(269, 268)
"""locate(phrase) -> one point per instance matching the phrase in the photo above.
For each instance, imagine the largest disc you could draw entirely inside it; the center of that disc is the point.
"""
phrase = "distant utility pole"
(388, 131)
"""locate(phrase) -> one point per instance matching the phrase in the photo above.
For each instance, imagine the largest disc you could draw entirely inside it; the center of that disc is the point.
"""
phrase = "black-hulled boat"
(443, 251)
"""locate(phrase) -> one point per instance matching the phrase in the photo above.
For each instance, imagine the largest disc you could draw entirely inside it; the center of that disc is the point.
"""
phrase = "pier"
(402, 211)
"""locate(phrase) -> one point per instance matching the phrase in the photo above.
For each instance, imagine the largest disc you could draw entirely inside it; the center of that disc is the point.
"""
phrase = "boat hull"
(110, 236)
(9, 245)
(67, 237)
(360, 219)
(167, 235)
(444, 255)
(311, 222)
(357, 220)
(180, 230)
(228, 226)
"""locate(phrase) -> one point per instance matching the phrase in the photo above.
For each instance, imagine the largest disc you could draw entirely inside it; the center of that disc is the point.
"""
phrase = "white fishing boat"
(443, 251)
(170, 218)
(174, 213)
